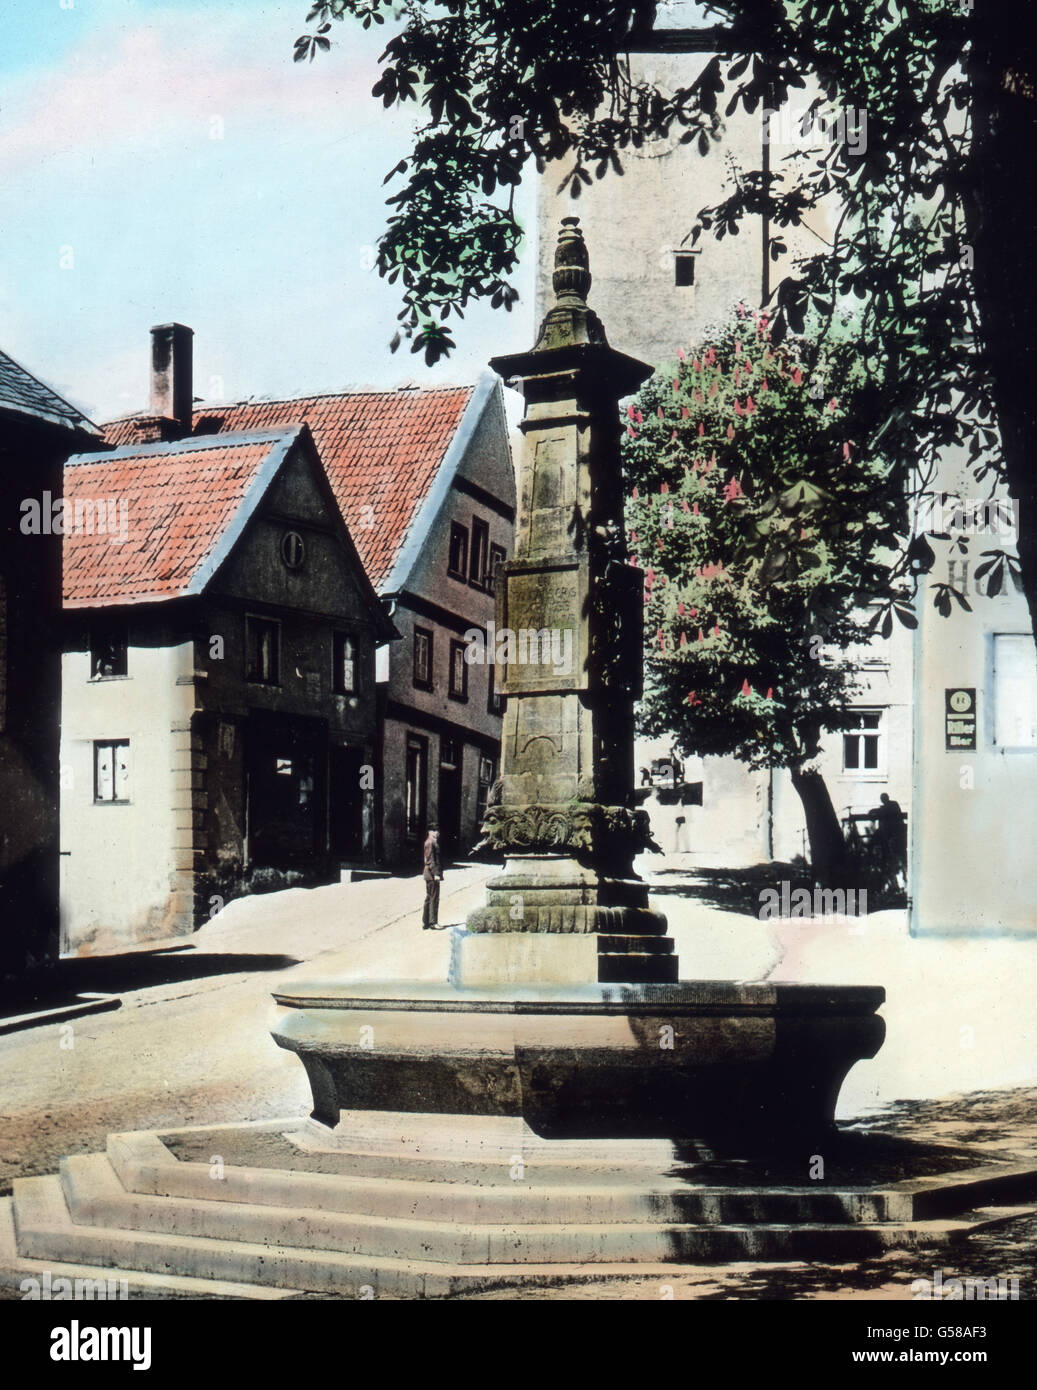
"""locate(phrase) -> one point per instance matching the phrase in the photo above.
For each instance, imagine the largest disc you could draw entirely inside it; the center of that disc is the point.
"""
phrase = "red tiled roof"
(381, 451)
(180, 500)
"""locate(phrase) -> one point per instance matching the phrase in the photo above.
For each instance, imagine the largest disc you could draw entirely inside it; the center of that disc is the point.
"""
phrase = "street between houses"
(196, 1048)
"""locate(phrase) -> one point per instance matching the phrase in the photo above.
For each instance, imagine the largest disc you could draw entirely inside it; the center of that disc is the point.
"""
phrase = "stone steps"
(438, 1156)
(629, 959)
(16, 1271)
(158, 1243)
(433, 1151)
(527, 1200)
(386, 1229)
(45, 1232)
(342, 1278)
(95, 1197)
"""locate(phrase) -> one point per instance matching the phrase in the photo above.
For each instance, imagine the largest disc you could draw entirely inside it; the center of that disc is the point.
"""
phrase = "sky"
(166, 160)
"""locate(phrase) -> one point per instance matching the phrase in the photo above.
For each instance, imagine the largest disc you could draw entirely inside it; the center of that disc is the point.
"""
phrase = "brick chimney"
(172, 387)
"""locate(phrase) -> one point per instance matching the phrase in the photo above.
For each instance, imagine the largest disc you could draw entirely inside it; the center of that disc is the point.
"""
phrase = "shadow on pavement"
(128, 971)
(738, 890)
(730, 890)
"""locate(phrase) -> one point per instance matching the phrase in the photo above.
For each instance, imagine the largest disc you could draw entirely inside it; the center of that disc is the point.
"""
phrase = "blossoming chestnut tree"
(769, 542)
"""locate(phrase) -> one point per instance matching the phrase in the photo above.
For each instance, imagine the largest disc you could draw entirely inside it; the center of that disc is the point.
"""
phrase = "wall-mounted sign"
(960, 720)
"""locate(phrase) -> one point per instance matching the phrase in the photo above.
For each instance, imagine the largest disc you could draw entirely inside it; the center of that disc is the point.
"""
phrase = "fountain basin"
(748, 1065)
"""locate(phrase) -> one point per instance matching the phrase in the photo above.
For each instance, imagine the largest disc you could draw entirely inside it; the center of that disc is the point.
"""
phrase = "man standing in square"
(433, 875)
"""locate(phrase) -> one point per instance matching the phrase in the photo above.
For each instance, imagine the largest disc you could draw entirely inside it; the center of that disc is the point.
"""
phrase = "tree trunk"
(828, 855)
(1001, 188)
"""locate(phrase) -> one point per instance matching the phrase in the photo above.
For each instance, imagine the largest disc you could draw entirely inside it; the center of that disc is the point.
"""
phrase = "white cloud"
(128, 86)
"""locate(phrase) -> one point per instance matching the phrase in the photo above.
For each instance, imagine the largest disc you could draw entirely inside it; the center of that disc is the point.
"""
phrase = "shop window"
(416, 786)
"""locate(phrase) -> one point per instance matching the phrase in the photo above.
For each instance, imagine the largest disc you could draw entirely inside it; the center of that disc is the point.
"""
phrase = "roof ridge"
(201, 407)
(346, 391)
(189, 444)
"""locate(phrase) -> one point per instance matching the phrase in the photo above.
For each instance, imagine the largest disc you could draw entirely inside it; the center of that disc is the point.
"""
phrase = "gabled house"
(424, 479)
(219, 729)
(38, 430)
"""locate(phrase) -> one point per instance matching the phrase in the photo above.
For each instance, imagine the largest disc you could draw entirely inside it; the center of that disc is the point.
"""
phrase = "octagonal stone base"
(553, 893)
(550, 920)
(746, 1067)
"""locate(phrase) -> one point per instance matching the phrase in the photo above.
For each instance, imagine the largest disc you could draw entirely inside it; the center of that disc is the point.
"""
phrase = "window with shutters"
(458, 671)
(111, 770)
(479, 569)
(423, 658)
(263, 643)
(346, 674)
(457, 562)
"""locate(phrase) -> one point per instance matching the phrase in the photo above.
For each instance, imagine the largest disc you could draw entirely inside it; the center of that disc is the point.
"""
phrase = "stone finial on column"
(569, 322)
(572, 276)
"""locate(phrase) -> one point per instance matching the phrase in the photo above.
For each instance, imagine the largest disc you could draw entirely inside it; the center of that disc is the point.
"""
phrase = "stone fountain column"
(568, 907)
(563, 1017)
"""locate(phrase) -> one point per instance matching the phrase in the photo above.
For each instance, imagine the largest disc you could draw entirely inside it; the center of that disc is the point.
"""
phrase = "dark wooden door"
(346, 803)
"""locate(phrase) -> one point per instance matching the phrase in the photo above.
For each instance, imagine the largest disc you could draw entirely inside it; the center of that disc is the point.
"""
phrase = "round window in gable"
(293, 552)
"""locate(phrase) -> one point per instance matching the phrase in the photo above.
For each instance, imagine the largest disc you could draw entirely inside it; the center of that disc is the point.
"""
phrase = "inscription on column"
(543, 638)
(550, 496)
